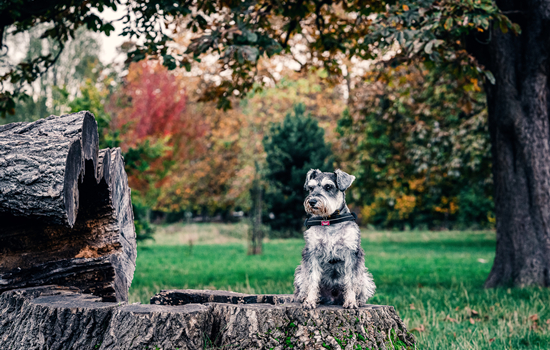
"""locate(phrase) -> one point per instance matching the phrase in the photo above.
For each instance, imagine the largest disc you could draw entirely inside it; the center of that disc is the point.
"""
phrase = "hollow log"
(65, 209)
(57, 318)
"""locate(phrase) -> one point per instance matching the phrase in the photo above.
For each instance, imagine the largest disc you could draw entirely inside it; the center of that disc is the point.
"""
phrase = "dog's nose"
(312, 202)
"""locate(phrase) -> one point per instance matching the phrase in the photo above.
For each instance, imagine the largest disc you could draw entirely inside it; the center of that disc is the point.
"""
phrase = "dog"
(332, 270)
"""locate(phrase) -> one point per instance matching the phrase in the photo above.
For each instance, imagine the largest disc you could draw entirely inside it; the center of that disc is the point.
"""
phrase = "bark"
(274, 321)
(65, 209)
(52, 318)
(57, 318)
(520, 137)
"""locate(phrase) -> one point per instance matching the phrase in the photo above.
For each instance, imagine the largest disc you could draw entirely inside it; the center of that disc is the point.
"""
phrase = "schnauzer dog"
(333, 268)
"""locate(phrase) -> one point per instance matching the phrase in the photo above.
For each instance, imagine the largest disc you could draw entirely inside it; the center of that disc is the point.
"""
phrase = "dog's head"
(326, 191)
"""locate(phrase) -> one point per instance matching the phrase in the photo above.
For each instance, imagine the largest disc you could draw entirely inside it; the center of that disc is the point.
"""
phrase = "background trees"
(501, 45)
(421, 149)
(293, 147)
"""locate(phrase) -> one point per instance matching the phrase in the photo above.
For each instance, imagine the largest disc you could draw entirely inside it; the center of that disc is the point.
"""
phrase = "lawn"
(434, 280)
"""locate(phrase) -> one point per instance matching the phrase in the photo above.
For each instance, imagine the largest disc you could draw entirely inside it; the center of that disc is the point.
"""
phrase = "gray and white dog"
(333, 263)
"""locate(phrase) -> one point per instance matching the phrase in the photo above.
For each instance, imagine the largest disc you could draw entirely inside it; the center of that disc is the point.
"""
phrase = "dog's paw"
(350, 304)
(309, 304)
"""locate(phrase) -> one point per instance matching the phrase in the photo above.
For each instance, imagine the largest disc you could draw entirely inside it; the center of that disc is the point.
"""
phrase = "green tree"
(421, 150)
(293, 147)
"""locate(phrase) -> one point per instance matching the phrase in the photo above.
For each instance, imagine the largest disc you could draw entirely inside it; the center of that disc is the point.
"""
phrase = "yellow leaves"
(448, 206)
(479, 29)
(405, 206)
(417, 185)
(491, 218)
(367, 212)
(475, 85)
(405, 8)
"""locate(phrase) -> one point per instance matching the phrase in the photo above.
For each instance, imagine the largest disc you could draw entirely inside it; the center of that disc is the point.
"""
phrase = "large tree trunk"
(65, 211)
(520, 137)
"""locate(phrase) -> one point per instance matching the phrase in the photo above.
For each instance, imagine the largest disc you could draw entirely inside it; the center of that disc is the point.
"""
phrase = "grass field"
(434, 280)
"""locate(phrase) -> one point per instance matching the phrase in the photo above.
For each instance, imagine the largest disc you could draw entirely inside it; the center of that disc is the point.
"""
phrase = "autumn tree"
(421, 149)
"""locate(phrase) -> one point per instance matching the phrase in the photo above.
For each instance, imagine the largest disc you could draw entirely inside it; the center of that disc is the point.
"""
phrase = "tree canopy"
(239, 33)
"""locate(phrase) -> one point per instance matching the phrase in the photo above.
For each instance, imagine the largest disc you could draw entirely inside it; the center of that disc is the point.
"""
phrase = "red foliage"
(151, 106)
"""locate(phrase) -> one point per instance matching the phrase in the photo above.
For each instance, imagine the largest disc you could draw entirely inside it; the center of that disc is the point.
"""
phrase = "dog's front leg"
(350, 299)
(314, 280)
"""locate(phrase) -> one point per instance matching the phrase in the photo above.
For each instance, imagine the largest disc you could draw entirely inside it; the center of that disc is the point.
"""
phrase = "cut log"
(65, 209)
(57, 318)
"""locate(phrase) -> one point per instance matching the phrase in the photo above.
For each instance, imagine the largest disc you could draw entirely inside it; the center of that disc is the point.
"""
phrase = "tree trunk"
(520, 138)
(256, 234)
(65, 209)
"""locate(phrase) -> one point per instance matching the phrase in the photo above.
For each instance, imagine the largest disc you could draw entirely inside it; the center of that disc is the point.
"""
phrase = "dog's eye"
(328, 187)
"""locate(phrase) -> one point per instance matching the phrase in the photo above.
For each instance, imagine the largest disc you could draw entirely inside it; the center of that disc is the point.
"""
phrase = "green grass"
(434, 280)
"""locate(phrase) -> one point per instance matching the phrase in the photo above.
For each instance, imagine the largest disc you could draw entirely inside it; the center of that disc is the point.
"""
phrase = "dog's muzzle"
(316, 205)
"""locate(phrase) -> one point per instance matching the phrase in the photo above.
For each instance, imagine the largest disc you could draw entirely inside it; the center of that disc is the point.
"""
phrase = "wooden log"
(56, 318)
(65, 209)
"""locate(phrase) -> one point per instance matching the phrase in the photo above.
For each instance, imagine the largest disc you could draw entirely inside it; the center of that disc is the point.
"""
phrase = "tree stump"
(245, 321)
(58, 318)
(65, 209)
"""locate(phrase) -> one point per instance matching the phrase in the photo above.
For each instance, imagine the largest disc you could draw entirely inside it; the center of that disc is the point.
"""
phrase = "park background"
(217, 187)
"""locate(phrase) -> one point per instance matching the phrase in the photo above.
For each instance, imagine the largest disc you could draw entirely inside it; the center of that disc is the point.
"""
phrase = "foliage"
(94, 99)
(56, 88)
(433, 279)
(421, 149)
(239, 33)
(293, 147)
(149, 116)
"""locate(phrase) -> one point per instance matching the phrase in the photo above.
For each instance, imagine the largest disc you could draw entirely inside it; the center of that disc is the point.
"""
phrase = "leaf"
(490, 76)
(249, 53)
(534, 317)
(448, 23)
(419, 329)
(472, 321)
(405, 8)
(251, 37)
(428, 47)
(412, 307)
(503, 27)
(450, 319)
(491, 340)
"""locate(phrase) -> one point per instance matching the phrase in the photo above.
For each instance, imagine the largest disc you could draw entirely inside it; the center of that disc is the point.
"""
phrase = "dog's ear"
(343, 180)
(310, 176)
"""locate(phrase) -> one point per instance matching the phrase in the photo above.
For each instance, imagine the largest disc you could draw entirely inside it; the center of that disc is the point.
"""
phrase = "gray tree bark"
(65, 209)
(56, 318)
(518, 122)
(248, 321)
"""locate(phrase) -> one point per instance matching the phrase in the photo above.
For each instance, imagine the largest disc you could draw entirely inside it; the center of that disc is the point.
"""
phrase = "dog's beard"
(322, 207)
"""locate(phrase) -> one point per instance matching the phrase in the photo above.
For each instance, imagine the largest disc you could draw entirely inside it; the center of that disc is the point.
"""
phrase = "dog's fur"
(333, 263)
